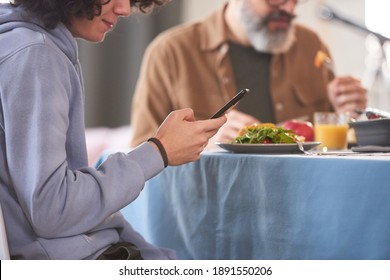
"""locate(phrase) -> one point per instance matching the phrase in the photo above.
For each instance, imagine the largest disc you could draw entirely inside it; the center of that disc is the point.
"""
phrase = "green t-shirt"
(251, 70)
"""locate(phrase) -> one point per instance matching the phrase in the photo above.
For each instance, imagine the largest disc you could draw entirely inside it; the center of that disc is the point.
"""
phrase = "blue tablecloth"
(242, 206)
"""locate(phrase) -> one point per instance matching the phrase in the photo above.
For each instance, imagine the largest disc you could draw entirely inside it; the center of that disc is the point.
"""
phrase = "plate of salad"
(266, 138)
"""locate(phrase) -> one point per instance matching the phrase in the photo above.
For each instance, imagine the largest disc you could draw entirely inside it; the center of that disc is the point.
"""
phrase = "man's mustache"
(279, 15)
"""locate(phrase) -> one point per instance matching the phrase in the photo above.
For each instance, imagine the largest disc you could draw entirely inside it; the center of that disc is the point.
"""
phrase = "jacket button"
(279, 106)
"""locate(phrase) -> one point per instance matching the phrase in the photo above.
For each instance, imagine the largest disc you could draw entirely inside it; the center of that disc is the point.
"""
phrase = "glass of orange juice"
(331, 129)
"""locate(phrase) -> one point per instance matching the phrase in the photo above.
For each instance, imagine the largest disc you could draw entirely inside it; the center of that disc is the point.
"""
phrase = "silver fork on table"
(300, 146)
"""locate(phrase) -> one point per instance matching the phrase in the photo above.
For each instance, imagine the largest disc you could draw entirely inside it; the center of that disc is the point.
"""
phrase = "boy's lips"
(110, 24)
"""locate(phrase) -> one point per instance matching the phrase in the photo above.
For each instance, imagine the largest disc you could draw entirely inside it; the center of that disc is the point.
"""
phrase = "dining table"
(288, 206)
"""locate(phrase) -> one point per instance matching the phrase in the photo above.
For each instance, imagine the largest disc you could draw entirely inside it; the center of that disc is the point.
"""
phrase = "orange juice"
(331, 136)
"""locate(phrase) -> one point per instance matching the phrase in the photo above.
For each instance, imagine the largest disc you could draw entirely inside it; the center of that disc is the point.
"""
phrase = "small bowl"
(372, 132)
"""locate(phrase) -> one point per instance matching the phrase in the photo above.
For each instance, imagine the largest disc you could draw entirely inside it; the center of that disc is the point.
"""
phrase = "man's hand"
(347, 94)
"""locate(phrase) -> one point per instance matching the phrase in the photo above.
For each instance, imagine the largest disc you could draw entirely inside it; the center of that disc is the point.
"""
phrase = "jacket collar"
(215, 30)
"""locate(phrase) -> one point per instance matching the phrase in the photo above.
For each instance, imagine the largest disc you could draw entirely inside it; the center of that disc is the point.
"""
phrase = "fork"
(300, 146)
(322, 58)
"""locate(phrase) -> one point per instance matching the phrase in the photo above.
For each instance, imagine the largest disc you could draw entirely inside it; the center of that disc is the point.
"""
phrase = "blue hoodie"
(54, 206)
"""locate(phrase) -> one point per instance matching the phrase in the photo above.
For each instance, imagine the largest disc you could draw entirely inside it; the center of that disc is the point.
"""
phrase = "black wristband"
(161, 149)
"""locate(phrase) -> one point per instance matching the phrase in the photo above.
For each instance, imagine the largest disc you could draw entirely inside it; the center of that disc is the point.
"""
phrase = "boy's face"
(95, 30)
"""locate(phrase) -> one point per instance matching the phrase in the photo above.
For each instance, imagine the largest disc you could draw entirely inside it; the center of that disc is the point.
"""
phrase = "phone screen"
(231, 103)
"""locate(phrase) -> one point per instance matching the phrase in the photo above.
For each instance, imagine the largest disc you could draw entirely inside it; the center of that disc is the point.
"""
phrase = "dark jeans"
(121, 251)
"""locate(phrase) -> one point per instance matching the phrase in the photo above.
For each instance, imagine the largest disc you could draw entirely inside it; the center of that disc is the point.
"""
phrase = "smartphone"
(231, 103)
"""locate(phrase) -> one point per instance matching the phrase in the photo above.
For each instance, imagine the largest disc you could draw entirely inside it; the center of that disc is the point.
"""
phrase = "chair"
(4, 252)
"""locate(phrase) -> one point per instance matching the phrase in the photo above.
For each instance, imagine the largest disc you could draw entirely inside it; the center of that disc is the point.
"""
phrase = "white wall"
(195, 9)
(346, 44)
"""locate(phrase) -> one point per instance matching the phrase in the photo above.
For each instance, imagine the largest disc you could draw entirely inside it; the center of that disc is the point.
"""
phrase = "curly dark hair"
(52, 12)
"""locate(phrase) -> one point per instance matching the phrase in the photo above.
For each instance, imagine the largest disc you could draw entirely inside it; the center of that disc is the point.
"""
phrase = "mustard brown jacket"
(189, 66)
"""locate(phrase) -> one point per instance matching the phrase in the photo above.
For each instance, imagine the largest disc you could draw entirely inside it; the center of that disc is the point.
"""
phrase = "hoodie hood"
(14, 19)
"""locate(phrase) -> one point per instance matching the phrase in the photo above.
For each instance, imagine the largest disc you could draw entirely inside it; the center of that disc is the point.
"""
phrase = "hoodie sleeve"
(40, 100)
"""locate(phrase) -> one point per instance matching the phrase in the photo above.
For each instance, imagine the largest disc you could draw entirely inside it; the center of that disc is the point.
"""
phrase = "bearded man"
(251, 44)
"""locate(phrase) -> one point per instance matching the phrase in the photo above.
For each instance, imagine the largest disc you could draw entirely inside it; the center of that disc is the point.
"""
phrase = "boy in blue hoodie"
(55, 207)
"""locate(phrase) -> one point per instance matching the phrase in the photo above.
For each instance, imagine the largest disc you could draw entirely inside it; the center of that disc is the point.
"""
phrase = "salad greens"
(264, 134)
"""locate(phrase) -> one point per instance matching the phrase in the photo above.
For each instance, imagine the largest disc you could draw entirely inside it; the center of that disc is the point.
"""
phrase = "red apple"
(301, 128)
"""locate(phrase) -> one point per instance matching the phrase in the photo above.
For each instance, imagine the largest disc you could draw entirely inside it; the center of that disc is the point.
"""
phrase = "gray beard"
(258, 35)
